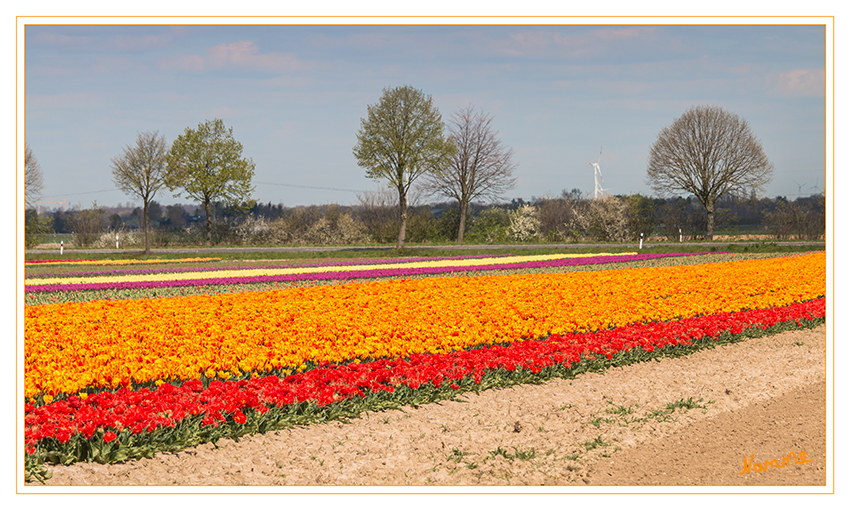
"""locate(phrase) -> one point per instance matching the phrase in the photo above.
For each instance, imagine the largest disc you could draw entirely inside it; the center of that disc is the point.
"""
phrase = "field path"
(682, 421)
(54, 248)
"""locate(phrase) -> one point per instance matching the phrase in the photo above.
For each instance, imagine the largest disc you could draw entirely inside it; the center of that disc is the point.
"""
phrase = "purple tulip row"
(344, 275)
(238, 268)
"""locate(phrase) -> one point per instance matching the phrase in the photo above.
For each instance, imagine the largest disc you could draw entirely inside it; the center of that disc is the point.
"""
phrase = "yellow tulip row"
(243, 273)
(106, 343)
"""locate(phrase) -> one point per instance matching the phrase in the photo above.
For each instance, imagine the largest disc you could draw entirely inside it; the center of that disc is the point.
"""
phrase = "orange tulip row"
(74, 346)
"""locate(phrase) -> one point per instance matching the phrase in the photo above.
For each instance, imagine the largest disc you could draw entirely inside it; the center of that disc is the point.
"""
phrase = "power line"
(312, 187)
(82, 193)
(258, 182)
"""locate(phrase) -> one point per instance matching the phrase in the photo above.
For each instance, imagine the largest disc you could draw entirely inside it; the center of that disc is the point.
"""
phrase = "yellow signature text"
(758, 467)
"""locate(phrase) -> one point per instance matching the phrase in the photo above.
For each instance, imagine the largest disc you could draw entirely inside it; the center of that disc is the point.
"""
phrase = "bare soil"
(695, 420)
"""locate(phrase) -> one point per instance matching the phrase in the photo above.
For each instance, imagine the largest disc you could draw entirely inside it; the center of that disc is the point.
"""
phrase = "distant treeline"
(376, 219)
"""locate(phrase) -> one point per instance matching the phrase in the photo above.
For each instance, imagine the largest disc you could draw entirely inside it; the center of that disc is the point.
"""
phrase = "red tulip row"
(116, 417)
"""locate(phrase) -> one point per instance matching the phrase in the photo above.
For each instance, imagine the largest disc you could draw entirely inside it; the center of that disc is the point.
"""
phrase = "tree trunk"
(402, 206)
(709, 213)
(208, 225)
(462, 226)
(147, 230)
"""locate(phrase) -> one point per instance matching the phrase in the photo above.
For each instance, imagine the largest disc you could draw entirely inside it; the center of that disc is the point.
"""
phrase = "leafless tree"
(378, 210)
(33, 179)
(88, 225)
(141, 171)
(481, 168)
(708, 152)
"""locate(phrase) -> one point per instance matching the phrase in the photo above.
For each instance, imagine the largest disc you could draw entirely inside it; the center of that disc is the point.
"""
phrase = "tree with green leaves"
(141, 171)
(35, 226)
(400, 140)
(207, 165)
(640, 215)
(708, 152)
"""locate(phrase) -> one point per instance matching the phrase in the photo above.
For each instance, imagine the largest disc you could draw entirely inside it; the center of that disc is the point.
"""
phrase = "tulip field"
(126, 358)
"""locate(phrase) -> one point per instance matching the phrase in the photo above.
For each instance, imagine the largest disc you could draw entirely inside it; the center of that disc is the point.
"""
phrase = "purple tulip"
(343, 275)
(238, 268)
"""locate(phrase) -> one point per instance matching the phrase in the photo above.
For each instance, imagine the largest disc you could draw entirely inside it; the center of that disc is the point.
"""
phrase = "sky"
(294, 97)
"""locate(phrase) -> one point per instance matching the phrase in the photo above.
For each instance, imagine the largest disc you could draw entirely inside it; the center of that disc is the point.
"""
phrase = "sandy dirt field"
(698, 420)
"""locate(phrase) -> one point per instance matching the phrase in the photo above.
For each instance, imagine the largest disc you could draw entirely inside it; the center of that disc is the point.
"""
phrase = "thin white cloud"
(63, 101)
(223, 112)
(369, 41)
(115, 65)
(285, 129)
(805, 82)
(185, 63)
(122, 42)
(141, 43)
(542, 43)
(244, 55)
(289, 82)
(61, 40)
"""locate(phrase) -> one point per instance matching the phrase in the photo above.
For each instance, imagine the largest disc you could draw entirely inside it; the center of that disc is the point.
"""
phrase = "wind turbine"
(597, 177)
(799, 188)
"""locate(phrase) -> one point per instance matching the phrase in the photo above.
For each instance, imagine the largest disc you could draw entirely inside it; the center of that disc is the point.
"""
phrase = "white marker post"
(116, 241)
(641, 241)
(61, 247)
